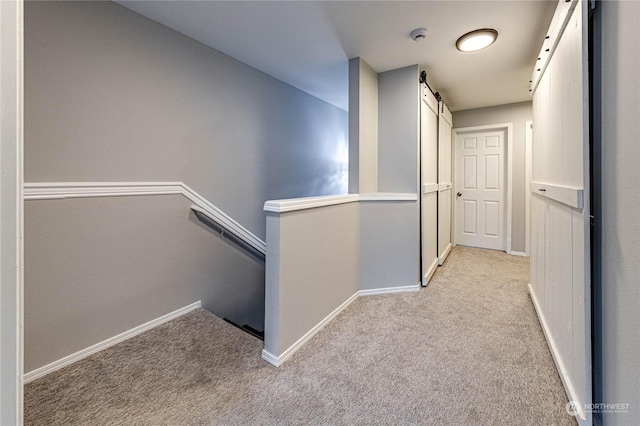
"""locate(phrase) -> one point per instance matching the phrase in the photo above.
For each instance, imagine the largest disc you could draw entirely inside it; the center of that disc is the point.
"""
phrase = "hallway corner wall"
(363, 127)
(398, 130)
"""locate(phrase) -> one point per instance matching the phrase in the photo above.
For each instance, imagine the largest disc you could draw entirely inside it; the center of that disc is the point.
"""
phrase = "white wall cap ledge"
(293, 204)
(388, 196)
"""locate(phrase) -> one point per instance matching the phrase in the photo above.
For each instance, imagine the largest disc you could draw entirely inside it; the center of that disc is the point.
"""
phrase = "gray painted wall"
(390, 231)
(389, 252)
(98, 267)
(320, 257)
(517, 114)
(398, 130)
(113, 96)
(616, 289)
(363, 127)
(314, 270)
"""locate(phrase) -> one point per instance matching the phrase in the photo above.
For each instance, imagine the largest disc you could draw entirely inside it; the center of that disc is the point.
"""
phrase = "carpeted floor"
(467, 350)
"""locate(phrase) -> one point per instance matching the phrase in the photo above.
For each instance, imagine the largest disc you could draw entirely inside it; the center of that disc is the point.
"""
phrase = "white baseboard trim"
(566, 380)
(279, 360)
(518, 253)
(70, 359)
(444, 255)
(270, 358)
(389, 290)
(430, 272)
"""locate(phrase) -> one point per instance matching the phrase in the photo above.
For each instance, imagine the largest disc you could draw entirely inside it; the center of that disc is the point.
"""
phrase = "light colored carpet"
(466, 350)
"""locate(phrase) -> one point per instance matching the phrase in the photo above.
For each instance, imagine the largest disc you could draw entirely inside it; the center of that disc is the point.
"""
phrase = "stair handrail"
(214, 223)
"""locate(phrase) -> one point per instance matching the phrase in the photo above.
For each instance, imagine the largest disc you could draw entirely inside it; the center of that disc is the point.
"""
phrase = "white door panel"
(537, 251)
(444, 224)
(470, 213)
(429, 183)
(559, 235)
(492, 168)
(491, 221)
(469, 171)
(445, 123)
(480, 181)
(430, 233)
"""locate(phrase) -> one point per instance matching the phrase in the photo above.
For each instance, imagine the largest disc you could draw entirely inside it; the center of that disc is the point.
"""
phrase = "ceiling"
(308, 43)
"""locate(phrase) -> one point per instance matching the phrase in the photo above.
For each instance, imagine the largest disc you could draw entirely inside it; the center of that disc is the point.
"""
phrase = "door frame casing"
(528, 148)
(508, 129)
(11, 211)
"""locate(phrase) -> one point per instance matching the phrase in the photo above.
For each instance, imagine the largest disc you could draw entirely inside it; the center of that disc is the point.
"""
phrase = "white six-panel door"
(480, 189)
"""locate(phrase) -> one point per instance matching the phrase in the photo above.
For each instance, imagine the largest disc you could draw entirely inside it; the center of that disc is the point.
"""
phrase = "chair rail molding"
(63, 190)
(295, 204)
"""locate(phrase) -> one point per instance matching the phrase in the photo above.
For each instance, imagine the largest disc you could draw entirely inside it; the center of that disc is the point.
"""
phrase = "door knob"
(459, 194)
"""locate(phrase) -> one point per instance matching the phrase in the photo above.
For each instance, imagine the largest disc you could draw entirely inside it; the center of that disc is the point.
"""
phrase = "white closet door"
(429, 183)
(445, 185)
(560, 255)
(480, 190)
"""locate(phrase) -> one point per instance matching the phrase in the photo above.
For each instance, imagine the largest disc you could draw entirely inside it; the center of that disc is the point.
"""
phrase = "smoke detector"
(419, 34)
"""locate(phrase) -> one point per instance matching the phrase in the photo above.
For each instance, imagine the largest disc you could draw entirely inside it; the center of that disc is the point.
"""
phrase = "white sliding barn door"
(445, 185)
(429, 183)
(560, 255)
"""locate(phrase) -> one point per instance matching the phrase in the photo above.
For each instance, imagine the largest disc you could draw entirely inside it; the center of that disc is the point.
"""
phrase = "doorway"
(482, 186)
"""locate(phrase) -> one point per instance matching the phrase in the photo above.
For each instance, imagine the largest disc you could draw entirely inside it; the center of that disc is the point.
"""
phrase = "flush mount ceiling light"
(476, 40)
